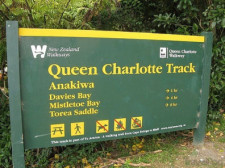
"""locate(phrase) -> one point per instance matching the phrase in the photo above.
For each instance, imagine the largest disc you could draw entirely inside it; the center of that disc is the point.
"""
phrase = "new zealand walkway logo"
(39, 50)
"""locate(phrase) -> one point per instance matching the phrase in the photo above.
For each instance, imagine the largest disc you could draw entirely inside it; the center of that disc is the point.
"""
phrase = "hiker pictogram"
(57, 130)
(120, 124)
(77, 128)
(102, 126)
(136, 122)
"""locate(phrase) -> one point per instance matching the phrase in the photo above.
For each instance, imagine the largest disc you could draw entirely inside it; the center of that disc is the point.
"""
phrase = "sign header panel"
(108, 34)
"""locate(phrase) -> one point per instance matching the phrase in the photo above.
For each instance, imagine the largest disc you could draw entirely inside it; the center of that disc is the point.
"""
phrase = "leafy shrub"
(5, 141)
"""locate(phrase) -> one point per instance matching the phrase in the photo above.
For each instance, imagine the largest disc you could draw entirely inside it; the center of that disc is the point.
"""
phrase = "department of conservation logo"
(38, 50)
(163, 52)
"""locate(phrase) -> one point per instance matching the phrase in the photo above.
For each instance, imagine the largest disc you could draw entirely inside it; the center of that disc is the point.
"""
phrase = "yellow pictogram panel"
(77, 128)
(102, 126)
(136, 122)
(120, 124)
(57, 130)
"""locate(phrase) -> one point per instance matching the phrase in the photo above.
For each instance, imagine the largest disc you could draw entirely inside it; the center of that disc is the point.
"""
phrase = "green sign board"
(73, 86)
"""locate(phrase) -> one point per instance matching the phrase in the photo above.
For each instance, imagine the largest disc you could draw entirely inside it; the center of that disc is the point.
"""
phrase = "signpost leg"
(14, 94)
(199, 131)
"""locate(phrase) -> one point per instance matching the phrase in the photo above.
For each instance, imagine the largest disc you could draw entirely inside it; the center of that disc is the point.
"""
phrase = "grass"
(170, 151)
(177, 151)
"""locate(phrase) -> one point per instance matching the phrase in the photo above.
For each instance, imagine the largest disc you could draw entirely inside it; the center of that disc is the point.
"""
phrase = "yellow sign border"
(108, 34)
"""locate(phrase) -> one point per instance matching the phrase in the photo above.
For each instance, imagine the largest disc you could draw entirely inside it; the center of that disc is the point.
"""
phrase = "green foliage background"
(161, 16)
